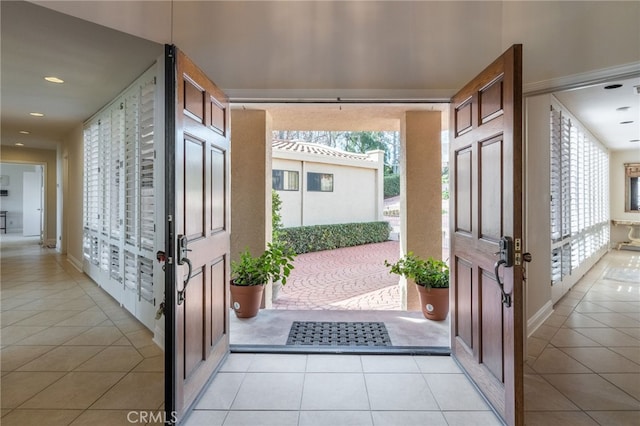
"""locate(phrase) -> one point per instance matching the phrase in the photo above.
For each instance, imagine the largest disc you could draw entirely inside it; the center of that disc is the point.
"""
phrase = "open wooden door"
(197, 195)
(487, 231)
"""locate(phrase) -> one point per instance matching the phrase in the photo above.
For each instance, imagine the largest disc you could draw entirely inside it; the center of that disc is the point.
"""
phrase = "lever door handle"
(183, 259)
(506, 297)
(183, 293)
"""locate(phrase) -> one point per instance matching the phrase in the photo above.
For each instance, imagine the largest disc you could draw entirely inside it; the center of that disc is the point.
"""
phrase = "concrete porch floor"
(349, 284)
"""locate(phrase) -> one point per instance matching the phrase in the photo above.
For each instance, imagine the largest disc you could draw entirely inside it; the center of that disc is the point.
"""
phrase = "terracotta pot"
(246, 299)
(434, 302)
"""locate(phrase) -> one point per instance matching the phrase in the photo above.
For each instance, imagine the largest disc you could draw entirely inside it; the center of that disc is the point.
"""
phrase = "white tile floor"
(274, 389)
(583, 365)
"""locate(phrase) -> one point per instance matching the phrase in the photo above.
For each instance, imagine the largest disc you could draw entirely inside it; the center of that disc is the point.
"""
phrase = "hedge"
(306, 239)
(391, 186)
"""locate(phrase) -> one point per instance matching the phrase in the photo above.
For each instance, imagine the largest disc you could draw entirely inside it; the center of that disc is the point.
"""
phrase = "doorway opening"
(348, 283)
(22, 201)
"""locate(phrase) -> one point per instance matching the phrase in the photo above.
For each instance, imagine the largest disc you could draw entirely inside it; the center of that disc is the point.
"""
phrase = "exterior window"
(632, 192)
(322, 182)
(285, 180)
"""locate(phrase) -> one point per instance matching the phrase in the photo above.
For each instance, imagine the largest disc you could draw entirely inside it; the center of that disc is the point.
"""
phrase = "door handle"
(506, 259)
(183, 259)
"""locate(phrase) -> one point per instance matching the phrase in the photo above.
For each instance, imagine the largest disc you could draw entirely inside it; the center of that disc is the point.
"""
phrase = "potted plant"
(431, 277)
(250, 274)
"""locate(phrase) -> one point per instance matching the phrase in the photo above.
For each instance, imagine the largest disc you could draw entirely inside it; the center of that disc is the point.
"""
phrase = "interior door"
(31, 203)
(198, 246)
(487, 231)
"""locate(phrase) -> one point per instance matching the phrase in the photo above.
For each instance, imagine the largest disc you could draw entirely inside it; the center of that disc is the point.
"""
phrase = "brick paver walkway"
(350, 278)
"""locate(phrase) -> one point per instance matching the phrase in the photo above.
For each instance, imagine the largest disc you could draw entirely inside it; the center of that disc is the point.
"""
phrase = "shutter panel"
(556, 181)
(104, 178)
(147, 154)
(93, 173)
(117, 154)
(131, 170)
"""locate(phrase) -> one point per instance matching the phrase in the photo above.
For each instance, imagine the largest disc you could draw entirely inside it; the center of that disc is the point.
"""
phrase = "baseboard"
(75, 262)
(158, 337)
(539, 318)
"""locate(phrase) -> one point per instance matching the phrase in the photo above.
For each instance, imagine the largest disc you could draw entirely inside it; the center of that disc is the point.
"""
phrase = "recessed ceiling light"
(624, 108)
(613, 86)
(19, 144)
(36, 114)
(54, 80)
(626, 122)
(24, 132)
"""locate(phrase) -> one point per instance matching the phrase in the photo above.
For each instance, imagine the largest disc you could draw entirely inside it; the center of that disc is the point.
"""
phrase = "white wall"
(73, 151)
(617, 189)
(537, 216)
(13, 202)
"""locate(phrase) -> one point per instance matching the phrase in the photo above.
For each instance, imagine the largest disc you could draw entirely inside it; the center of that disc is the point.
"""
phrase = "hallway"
(70, 355)
(583, 365)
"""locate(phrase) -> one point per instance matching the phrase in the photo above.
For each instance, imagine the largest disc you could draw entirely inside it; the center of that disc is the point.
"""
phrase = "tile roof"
(314, 148)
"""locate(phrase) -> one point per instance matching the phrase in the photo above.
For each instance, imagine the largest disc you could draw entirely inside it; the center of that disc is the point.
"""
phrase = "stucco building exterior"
(320, 185)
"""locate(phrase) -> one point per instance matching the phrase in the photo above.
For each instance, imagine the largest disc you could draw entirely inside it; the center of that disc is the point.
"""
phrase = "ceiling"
(318, 51)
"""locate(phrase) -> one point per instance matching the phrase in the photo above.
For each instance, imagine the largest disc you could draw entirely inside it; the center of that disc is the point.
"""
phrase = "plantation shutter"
(119, 206)
(579, 189)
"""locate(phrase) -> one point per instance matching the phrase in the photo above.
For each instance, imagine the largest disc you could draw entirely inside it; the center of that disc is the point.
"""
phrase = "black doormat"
(322, 333)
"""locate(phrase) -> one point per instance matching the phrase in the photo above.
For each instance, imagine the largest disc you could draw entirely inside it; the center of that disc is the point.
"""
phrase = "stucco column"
(251, 134)
(420, 191)
(378, 156)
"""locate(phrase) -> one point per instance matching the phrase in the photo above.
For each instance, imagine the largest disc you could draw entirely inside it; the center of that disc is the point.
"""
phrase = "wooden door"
(198, 230)
(486, 183)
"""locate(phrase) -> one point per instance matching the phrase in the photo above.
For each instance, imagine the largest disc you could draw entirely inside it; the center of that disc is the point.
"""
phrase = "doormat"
(323, 333)
(627, 275)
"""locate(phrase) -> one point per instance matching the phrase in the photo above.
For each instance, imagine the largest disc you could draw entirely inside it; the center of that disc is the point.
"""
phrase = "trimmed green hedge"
(306, 239)
(391, 186)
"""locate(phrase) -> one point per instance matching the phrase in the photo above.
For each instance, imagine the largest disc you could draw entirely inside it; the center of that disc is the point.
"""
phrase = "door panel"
(31, 203)
(198, 231)
(486, 178)
(194, 177)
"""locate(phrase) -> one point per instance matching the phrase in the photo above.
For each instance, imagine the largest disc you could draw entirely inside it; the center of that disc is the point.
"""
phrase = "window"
(632, 190)
(579, 192)
(285, 180)
(322, 182)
